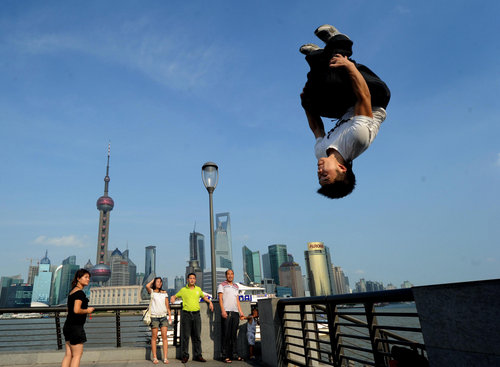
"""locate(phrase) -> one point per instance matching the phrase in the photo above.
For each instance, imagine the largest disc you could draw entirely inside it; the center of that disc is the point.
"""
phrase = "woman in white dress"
(159, 310)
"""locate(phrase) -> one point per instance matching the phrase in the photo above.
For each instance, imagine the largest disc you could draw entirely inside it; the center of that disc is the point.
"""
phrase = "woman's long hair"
(154, 284)
(80, 273)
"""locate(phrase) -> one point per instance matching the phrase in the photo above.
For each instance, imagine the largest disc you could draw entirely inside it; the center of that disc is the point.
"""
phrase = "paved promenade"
(173, 362)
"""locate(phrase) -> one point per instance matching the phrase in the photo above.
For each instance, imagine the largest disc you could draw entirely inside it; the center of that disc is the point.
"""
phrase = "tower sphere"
(105, 203)
(100, 273)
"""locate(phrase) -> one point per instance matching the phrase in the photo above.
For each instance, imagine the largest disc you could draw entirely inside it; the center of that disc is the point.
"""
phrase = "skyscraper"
(223, 244)
(42, 282)
(178, 283)
(266, 266)
(149, 269)
(101, 272)
(120, 269)
(68, 270)
(197, 248)
(319, 269)
(252, 272)
(277, 256)
(340, 280)
(291, 276)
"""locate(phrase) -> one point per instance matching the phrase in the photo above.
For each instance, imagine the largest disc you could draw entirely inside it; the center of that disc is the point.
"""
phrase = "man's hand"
(224, 314)
(340, 61)
(212, 307)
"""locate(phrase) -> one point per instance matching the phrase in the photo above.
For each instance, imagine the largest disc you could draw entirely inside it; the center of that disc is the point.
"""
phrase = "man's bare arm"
(315, 124)
(363, 104)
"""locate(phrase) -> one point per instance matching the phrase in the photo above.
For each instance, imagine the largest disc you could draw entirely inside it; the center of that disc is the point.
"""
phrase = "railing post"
(302, 309)
(335, 339)
(374, 334)
(281, 337)
(58, 330)
(118, 329)
(176, 321)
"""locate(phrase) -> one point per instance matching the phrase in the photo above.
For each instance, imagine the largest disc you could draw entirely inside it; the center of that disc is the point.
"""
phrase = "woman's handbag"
(146, 314)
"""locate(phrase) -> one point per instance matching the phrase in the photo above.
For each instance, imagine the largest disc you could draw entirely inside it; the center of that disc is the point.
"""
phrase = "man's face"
(230, 276)
(191, 280)
(328, 171)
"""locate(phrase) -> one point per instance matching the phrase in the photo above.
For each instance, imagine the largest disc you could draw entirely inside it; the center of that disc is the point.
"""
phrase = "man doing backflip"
(334, 75)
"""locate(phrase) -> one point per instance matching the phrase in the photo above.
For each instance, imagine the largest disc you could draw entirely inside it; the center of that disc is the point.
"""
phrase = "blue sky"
(173, 84)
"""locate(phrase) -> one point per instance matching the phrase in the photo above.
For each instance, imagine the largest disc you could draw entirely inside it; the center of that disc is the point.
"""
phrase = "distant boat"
(33, 315)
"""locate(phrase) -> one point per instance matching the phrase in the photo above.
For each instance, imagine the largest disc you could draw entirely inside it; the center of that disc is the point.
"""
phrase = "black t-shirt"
(73, 318)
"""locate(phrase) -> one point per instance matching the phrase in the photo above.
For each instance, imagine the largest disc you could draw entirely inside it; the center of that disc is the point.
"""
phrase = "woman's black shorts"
(74, 334)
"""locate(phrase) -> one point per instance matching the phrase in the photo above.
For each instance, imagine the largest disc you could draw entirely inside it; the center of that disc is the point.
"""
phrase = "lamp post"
(210, 176)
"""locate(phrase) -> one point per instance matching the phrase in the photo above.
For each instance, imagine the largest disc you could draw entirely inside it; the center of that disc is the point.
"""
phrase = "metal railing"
(348, 330)
(108, 326)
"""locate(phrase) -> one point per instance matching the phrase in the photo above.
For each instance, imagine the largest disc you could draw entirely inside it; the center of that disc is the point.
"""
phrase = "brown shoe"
(184, 359)
(200, 359)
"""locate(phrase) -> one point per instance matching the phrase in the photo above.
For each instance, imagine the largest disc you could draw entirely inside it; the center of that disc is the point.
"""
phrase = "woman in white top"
(159, 310)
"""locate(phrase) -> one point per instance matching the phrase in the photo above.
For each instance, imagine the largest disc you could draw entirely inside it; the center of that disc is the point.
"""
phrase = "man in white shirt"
(350, 137)
(231, 313)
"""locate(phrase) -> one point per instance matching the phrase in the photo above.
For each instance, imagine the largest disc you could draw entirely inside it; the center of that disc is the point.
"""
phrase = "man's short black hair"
(341, 188)
(191, 274)
(229, 270)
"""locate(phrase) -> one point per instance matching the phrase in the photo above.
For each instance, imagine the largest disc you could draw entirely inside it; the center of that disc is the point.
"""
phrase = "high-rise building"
(372, 286)
(32, 272)
(361, 286)
(197, 248)
(5, 283)
(223, 244)
(178, 283)
(149, 270)
(132, 268)
(251, 266)
(406, 284)
(56, 285)
(101, 272)
(340, 280)
(319, 269)
(120, 269)
(68, 270)
(42, 283)
(266, 266)
(277, 256)
(291, 276)
(19, 295)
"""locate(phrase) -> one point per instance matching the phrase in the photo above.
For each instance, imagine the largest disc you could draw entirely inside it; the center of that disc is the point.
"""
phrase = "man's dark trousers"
(190, 327)
(229, 329)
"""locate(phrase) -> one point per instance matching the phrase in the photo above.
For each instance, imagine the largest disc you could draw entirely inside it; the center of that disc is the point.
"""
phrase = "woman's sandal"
(227, 360)
(165, 361)
(155, 360)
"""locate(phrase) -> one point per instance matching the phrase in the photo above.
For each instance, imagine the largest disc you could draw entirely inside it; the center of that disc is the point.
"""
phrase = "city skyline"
(171, 97)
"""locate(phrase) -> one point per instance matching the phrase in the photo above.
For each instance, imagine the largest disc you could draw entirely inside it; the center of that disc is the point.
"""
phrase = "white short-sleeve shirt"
(158, 307)
(230, 292)
(352, 137)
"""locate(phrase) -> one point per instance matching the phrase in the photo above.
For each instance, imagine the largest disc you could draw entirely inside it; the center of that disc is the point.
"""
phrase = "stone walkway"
(174, 362)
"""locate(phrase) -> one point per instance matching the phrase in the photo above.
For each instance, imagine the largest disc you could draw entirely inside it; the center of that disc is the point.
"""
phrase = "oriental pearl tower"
(101, 272)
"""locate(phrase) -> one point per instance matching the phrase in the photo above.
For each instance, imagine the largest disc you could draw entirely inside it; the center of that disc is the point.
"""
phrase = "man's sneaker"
(325, 32)
(310, 49)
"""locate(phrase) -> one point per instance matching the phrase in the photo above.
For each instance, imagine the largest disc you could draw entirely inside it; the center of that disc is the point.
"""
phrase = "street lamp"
(210, 176)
